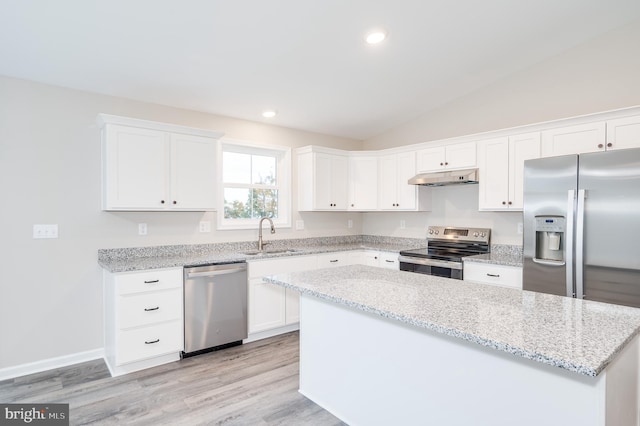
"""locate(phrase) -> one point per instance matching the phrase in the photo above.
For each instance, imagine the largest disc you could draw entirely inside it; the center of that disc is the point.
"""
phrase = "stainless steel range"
(446, 246)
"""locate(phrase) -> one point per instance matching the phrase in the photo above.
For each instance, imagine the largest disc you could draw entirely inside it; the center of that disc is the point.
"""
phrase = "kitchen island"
(392, 347)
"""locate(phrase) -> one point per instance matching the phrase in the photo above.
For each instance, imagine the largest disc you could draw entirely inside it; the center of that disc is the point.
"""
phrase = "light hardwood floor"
(252, 384)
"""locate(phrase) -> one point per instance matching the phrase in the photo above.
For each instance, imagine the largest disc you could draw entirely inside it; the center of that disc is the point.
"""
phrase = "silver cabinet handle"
(493, 275)
(151, 342)
(152, 282)
(152, 309)
(390, 261)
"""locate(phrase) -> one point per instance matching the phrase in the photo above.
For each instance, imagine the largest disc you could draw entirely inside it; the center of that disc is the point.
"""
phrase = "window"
(255, 183)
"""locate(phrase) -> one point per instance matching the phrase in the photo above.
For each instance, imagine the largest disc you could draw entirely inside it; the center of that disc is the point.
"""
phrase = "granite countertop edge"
(162, 262)
(500, 346)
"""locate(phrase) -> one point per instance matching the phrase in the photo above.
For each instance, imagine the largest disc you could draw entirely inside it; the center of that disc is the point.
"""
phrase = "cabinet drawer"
(389, 260)
(505, 276)
(149, 308)
(330, 260)
(146, 342)
(137, 282)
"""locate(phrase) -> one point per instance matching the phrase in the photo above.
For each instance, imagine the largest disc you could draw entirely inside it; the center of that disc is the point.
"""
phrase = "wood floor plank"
(252, 384)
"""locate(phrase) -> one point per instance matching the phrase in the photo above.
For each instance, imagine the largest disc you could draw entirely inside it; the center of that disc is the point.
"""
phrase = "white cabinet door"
(405, 169)
(193, 173)
(266, 306)
(388, 182)
(623, 133)
(574, 139)
(521, 148)
(460, 156)
(271, 306)
(431, 159)
(323, 181)
(447, 157)
(323, 197)
(394, 191)
(339, 182)
(363, 183)
(501, 166)
(493, 167)
(136, 164)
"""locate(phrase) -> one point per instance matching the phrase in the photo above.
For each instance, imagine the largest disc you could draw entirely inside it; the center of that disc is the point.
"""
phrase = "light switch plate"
(45, 231)
(349, 223)
(403, 224)
(142, 229)
(520, 228)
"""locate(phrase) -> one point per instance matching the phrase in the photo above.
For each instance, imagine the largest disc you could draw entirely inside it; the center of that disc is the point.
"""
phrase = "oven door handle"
(430, 262)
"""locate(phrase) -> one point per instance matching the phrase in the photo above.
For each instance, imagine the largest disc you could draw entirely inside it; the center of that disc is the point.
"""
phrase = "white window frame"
(283, 174)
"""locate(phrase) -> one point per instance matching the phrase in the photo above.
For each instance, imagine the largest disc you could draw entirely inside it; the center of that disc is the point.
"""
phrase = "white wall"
(599, 75)
(50, 297)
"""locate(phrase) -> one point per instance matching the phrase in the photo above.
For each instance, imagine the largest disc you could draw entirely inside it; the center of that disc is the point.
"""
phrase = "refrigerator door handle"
(580, 245)
(571, 202)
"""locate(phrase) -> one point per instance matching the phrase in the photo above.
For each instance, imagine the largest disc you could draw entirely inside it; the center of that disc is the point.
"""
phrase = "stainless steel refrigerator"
(582, 226)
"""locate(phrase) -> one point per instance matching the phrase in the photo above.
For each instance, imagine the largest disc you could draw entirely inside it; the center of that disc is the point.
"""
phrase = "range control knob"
(475, 234)
(482, 234)
(437, 232)
(431, 231)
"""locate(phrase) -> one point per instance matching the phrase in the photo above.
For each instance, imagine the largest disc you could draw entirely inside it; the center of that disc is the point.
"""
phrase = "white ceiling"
(305, 58)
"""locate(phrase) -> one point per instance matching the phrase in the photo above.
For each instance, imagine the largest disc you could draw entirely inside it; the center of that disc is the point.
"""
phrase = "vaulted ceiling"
(306, 59)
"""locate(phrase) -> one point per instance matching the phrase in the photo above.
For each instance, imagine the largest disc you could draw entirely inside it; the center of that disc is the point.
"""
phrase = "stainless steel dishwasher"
(215, 307)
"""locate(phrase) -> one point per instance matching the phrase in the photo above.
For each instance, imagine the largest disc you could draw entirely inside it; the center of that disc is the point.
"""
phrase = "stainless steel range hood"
(456, 177)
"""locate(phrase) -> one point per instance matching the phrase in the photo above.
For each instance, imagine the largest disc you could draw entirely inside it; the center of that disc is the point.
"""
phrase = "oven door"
(438, 268)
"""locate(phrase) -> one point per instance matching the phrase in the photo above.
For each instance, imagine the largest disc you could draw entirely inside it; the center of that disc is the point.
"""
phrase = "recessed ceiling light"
(269, 113)
(375, 37)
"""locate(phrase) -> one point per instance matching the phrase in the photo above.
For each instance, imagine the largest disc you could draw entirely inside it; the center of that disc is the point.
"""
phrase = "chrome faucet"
(261, 244)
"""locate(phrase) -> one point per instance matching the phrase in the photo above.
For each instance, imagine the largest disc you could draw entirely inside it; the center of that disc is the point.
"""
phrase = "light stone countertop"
(576, 335)
(143, 258)
(504, 259)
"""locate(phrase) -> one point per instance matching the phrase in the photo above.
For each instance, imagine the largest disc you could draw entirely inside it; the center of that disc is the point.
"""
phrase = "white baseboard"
(50, 364)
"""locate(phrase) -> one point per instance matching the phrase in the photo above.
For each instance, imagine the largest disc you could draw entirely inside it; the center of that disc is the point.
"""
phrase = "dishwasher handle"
(213, 273)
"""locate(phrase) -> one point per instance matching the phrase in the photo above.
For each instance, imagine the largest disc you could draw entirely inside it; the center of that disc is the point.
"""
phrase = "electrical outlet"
(205, 226)
(142, 229)
(45, 231)
(349, 223)
(403, 224)
(299, 225)
(520, 228)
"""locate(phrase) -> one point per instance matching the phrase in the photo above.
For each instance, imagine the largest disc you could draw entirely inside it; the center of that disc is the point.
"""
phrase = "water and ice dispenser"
(550, 238)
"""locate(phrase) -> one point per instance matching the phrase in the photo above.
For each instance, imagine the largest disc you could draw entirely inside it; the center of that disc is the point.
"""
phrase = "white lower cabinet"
(143, 319)
(500, 275)
(389, 260)
(333, 260)
(270, 306)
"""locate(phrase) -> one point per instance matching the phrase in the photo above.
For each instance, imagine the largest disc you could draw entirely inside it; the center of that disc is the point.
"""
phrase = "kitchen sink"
(263, 252)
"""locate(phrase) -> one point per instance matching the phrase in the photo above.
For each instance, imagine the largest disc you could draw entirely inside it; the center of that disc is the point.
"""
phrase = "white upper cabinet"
(623, 133)
(148, 167)
(577, 139)
(447, 157)
(363, 182)
(501, 166)
(322, 180)
(395, 193)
